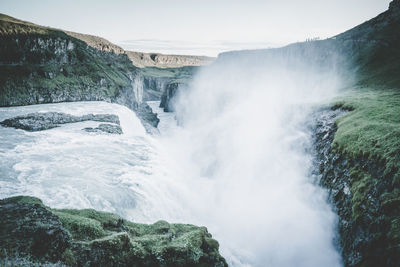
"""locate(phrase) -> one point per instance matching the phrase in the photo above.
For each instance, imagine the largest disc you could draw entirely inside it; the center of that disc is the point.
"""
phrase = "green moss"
(81, 228)
(369, 138)
(93, 238)
(361, 185)
(23, 199)
(372, 129)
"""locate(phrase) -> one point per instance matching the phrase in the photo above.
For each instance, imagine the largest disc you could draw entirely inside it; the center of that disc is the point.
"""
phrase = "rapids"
(267, 220)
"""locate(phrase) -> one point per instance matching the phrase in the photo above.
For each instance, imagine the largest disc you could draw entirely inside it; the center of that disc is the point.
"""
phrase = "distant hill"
(142, 60)
(370, 51)
(139, 59)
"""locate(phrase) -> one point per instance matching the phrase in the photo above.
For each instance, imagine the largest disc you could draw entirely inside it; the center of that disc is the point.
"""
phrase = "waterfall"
(238, 163)
(243, 151)
(137, 86)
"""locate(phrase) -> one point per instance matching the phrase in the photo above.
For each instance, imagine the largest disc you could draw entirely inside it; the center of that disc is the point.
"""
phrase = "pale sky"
(198, 26)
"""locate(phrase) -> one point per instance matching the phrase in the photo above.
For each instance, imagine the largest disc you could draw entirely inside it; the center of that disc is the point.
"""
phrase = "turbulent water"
(239, 163)
(70, 168)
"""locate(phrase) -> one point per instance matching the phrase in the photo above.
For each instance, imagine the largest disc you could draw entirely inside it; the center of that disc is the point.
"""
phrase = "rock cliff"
(364, 197)
(44, 65)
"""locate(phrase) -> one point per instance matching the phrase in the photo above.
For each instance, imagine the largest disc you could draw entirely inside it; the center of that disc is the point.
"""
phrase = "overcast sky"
(198, 26)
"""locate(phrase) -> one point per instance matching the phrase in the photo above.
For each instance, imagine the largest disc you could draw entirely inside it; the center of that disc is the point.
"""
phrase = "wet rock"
(368, 227)
(28, 228)
(34, 233)
(147, 117)
(168, 96)
(105, 128)
(42, 121)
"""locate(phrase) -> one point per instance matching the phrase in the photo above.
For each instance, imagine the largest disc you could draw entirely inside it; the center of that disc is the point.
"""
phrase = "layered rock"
(40, 121)
(35, 234)
(45, 65)
(143, 60)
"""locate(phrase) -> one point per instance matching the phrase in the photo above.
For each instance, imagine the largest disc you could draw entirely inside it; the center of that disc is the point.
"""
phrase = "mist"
(243, 147)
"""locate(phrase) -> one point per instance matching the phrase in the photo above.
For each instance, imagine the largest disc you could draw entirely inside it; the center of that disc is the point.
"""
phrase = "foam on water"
(70, 168)
(250, 190)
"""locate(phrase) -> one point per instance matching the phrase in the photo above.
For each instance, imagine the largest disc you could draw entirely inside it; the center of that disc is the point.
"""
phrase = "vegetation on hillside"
(42, 65)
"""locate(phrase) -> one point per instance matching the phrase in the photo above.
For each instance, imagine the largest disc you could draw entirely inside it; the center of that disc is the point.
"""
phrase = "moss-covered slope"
(42, 65)
(33, 233)
(362, 171)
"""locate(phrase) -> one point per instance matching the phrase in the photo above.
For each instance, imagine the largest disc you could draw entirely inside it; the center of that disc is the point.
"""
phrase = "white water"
(243, 150)
(69, 168)
(238, 165)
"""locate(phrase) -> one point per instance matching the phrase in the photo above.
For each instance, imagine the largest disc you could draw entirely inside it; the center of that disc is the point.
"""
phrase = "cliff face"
(43, 65)
(167, 97)
(157, 83)
(364, 196)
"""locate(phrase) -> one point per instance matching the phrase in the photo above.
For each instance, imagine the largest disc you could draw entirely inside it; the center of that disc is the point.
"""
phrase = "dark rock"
(368, 229)
(106, 128)
(168, 96)
(42, 121)
(43, 65)
(33, 233)
(149, 119)
(28, 228)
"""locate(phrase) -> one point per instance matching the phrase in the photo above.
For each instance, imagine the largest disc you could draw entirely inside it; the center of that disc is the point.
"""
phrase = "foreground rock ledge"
(33, 234)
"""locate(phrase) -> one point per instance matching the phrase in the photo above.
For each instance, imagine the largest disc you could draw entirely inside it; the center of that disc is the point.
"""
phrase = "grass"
(369, 137)
(372, 129)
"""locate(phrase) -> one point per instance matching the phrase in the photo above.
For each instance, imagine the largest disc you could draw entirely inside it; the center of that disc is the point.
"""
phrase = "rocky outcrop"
(361, 192)
(97, 42)
(167, 98)
(105, 128)
(40, 121)
(35, 234)
(143, 60)
(154, 87)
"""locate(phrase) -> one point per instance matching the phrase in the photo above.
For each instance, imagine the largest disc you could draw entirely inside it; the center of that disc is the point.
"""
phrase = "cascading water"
(70, 168)
(238, 163)
(243, 147)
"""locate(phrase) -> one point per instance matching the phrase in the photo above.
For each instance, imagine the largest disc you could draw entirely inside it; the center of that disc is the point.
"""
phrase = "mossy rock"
(92, 238)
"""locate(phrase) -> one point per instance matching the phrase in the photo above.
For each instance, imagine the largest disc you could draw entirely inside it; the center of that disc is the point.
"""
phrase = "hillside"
(143, 60)
(45, 65)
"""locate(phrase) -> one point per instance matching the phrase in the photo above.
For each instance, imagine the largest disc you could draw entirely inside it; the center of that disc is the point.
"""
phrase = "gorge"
(289, 156)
